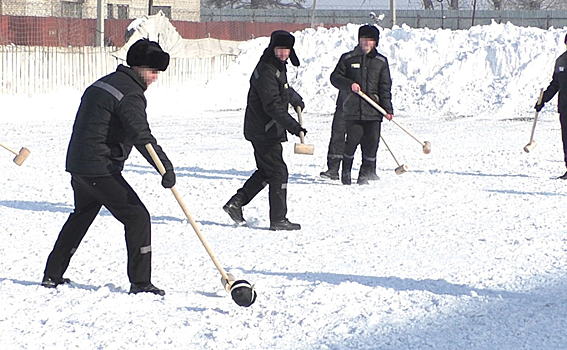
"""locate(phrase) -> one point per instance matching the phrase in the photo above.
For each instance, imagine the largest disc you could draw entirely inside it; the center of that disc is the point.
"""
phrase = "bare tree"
(428, 4)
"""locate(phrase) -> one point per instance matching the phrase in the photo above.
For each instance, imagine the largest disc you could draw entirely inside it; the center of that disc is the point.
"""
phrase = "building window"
(122, 11)
(71, 9)
(109, 11)
(165, 9)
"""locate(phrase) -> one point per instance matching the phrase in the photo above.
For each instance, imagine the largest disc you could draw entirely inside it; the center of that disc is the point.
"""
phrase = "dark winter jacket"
(372, 73)
(267, 119)
(110, 120)
(558, 83)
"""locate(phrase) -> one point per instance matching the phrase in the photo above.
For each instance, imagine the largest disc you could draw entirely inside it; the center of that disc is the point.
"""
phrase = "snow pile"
(482, 71)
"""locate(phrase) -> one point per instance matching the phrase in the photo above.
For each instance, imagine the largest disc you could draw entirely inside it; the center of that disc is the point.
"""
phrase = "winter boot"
(563, 177)
(333, 172)
(369, 170)
(345, 175)
(234, 208)
(372, 174)
(145, 287)
(53, 282)
(284, 225)
(362, 178)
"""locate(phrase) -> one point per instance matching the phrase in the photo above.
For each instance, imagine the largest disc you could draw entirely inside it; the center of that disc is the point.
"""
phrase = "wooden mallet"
(302, 148)
(401, 168)
(21, 156)
(425, 144)
(531, 145)
(242, 292)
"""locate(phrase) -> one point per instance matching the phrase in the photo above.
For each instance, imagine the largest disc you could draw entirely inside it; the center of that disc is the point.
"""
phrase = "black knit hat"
(147, 53)
(284, 39)
(368, 31)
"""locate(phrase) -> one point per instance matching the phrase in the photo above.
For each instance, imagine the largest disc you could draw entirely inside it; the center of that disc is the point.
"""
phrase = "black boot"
(234, 208)
(563, 177)
(369, 170)
(362, 178)
(345, 175)
(372, 174)
(333, 171)
(284, 225)
(53, 282)
(145, 287)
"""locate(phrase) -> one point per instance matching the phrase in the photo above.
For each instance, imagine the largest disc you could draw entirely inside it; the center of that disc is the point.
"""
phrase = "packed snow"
(467, 250)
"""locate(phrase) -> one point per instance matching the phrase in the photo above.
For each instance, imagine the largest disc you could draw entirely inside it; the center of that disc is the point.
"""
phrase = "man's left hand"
(389, 116)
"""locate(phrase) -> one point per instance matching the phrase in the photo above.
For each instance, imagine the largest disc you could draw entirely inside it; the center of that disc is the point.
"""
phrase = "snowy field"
(467, 250)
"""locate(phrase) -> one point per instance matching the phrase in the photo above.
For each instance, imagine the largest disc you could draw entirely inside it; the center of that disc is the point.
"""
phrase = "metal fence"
(433, 19)
(37, 70)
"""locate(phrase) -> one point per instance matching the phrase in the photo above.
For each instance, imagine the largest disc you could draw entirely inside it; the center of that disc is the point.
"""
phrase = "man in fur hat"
(363, 69)
(266, 121)
(110, 121)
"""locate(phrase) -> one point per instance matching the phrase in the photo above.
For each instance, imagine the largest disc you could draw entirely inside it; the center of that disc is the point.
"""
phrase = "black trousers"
(367, 135)
(337, 142)
(563, 121)
(271, 171)
(91, 193)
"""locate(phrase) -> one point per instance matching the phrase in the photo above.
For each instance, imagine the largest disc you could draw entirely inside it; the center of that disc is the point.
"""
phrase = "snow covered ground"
(468, 250)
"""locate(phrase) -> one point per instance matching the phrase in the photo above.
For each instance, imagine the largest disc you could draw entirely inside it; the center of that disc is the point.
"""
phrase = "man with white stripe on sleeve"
(110, 121)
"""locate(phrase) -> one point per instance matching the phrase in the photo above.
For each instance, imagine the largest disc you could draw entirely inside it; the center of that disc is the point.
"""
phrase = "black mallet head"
(243, 293)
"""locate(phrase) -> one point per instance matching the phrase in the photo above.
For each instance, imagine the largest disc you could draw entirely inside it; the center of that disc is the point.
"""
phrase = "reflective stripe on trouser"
(120, 199)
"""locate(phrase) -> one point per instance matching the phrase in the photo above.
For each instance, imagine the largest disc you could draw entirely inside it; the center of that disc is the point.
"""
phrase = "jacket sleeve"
(339, 77)
(295, 98)
(385, 89)
(267, 86)
(133, 116)
(551, 89)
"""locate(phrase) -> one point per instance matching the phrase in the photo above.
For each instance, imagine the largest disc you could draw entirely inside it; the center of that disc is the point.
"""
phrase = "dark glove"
(168, 179)
(300, 105)
(296, 133)
(538, 106)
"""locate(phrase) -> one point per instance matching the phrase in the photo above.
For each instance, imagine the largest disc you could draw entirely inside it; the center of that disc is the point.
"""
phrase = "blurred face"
(148, 75)
(367, 44)
(281, 52)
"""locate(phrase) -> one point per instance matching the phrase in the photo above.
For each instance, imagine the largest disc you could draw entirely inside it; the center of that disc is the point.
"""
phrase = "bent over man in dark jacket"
(265, 123)
(559, 84)
(363, 69)
(110, 121)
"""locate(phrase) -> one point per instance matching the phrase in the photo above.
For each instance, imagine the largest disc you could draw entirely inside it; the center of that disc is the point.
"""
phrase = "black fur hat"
(368, 31)
(147, 53)
(285, 39)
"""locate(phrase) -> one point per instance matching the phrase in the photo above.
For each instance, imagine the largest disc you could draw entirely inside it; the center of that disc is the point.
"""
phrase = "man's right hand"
(355, 87)
(538, 106)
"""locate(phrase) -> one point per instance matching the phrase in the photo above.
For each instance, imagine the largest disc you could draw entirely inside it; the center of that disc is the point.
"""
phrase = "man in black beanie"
(363, 69)
(265, 124)
(110, 121)
(559, 84)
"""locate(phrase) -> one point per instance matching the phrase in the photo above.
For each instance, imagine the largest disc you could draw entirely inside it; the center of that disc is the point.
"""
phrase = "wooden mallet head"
(21, 157)
(401, 169)
(427, 147)
(530, 146)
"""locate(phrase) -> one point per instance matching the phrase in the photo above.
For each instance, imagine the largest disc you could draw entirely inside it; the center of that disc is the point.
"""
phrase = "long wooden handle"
(9, 149)
(535, 116)
(393, 156)
(383, 111)
(161, 169)
(299, 117)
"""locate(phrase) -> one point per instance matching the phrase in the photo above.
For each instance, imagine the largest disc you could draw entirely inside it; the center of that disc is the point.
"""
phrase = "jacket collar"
(132, 74)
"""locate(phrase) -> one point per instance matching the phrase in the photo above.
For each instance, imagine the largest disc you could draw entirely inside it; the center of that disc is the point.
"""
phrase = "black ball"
(243, 293)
